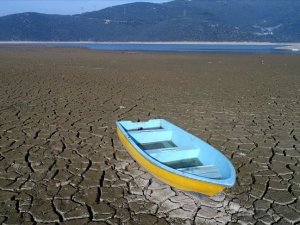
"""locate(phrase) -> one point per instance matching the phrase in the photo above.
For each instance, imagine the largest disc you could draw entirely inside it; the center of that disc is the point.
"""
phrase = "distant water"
(161, 47)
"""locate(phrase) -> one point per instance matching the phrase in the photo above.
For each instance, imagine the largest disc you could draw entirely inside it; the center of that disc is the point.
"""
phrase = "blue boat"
(177, 157)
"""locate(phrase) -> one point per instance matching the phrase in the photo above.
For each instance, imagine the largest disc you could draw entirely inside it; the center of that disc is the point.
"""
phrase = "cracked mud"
(61, 161)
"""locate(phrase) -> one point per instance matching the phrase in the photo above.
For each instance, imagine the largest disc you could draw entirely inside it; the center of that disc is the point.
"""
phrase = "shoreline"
(151, 43)
(173, 47)
(293, 48)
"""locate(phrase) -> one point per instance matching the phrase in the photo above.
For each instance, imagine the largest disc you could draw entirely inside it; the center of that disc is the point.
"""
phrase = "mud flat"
(61, 161)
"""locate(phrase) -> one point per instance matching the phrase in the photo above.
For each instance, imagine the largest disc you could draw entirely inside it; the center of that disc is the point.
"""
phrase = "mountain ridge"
(179, 20)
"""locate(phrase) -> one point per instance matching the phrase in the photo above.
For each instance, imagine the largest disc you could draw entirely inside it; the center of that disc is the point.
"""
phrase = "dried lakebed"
(61, 161)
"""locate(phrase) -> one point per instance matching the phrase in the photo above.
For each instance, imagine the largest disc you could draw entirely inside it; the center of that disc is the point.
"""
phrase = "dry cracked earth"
(62, 163)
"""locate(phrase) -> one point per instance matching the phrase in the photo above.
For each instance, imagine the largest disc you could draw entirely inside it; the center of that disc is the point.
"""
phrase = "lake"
(185, 47)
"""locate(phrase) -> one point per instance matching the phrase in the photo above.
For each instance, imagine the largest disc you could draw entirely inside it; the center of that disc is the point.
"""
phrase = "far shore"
(297, 45)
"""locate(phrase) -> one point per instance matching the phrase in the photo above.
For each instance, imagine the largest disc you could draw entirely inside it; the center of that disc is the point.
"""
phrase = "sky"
(65, 7)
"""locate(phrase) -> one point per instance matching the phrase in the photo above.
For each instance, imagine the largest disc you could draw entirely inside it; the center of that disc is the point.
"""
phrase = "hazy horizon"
(62, 7)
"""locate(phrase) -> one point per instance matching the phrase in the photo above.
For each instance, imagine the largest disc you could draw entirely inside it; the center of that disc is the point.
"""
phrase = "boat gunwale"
(227, 182)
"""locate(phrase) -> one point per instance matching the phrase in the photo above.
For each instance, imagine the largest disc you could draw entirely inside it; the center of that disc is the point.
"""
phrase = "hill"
(179, 20)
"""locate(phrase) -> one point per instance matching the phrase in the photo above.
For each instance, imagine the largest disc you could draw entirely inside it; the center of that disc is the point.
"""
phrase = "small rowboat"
(176, 157)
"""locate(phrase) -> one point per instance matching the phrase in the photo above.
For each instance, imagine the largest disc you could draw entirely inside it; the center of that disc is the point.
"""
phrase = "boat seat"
(209, 171)
(151, 136)
(171, 150)
(167, 155)
(145, 129)
(148, 131)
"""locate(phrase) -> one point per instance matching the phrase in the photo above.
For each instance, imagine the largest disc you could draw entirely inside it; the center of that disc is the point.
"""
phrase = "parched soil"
(62, 162)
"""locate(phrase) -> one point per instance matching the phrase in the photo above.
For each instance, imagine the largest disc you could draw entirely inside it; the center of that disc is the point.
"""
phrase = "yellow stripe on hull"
(174, 180)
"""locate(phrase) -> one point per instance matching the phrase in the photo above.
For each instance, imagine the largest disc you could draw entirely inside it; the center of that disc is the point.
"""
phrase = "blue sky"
(60, 6)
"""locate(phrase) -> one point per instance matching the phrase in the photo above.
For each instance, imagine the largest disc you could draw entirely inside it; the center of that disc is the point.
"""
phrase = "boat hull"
(172, 179)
